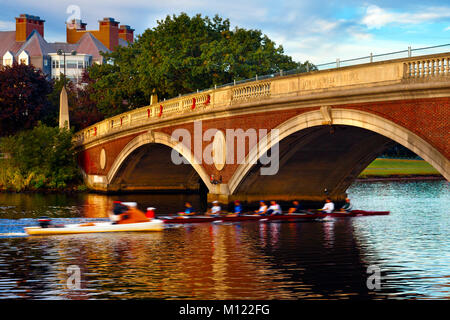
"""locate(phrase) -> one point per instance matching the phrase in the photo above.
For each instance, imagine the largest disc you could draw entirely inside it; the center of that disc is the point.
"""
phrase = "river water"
(409, 250)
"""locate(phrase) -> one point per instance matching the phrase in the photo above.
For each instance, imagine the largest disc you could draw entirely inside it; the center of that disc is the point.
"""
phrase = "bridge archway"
(161, 144)
(302, 132)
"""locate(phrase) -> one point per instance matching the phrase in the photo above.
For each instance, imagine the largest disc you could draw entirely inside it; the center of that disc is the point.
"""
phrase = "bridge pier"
(220, 192)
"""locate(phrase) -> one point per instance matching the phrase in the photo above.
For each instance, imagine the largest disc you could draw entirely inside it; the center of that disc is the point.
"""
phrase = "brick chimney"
(75, 30)
(108, 33)
(126, 33)
(25, 24)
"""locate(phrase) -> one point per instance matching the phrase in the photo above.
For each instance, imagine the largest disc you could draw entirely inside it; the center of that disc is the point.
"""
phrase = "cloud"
(7, 25)
(377, 17)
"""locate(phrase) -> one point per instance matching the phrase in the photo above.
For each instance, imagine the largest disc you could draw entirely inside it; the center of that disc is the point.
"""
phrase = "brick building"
(82, 48)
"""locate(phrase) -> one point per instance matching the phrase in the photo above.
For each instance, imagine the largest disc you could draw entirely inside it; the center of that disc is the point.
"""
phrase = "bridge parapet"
(428, 67)
(368, 75)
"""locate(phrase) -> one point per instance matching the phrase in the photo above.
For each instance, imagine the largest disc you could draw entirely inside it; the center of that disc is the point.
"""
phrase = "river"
(410, 249)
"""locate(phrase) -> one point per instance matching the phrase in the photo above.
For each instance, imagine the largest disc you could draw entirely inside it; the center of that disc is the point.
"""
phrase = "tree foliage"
(180, 55)
(23, 97)
(83, 110)
(41, 157)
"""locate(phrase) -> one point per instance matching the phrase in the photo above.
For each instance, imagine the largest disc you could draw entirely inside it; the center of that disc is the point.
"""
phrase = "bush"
(43, 157)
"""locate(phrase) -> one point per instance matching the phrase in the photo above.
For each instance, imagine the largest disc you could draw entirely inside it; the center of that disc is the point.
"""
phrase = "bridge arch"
(343, 117)
(156, 138)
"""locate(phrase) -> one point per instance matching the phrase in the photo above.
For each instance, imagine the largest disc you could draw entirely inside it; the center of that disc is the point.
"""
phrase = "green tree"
(180, 55)
(44, 156)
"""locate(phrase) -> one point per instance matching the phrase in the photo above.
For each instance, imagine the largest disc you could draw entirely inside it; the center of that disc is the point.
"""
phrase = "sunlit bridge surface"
(248, 260)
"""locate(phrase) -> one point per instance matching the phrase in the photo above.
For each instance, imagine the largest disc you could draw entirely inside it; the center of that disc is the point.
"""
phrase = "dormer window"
(24, 58)
(8, 59)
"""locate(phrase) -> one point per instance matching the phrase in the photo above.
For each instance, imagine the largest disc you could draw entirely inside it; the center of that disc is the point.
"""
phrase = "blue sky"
(319, 31)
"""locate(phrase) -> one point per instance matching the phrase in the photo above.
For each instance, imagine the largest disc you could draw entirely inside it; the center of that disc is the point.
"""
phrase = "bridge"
(315, 131)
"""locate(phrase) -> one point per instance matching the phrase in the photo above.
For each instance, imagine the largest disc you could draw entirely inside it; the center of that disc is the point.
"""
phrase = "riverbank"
(399, 169)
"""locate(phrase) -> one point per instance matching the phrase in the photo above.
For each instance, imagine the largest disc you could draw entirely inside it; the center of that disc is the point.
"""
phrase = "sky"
(318, 31)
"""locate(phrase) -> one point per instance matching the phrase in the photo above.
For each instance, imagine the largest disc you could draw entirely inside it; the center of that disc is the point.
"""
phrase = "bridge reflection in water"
(239, 261)
(315, 260)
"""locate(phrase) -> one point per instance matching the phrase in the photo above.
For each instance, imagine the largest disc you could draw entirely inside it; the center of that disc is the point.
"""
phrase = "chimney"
(126, 33)
(75, 30)
(109, 32)
(25, 24)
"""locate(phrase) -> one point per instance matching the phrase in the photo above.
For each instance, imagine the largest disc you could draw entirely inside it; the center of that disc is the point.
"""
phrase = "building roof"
(8, 42)
(36, 45)
(91, 45)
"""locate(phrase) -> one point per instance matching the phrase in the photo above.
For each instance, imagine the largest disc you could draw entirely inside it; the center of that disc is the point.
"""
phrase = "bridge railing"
(282, 84)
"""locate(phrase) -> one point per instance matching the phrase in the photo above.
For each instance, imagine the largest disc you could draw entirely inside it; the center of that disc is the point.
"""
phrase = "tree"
(40, 157)
(180, 55)
(83, 111)
(23, 97)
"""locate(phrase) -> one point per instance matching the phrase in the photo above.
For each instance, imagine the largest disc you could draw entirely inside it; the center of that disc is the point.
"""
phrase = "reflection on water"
(249, 260)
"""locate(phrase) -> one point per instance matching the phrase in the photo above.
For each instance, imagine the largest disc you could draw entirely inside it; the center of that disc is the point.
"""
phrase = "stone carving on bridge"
(326, 113)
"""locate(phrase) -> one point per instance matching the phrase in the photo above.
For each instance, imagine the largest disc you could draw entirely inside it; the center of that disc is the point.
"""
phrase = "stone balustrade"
(430, 66)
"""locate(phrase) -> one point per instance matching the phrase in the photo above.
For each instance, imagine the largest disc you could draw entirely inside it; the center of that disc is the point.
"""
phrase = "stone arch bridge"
(322, 128)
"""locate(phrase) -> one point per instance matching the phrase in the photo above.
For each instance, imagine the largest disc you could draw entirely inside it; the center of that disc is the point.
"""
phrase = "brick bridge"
(330, 125)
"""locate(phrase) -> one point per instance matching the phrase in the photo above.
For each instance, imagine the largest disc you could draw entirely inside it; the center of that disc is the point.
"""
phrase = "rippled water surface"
(248, 260)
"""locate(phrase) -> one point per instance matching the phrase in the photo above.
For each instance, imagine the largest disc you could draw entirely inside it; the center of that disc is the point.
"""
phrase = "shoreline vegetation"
(399, 169)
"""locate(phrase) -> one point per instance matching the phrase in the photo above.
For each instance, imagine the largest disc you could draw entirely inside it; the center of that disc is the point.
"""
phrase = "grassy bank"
(398, 168)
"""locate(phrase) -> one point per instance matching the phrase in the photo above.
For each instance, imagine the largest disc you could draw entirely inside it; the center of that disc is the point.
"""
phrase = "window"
(80, 65)
(72, 64)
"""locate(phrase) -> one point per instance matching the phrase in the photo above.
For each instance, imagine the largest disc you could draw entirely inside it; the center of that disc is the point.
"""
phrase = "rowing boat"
(153, 225)
(311, 216)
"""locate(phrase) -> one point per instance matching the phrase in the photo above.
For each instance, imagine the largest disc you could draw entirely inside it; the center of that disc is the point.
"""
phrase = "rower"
(347, 207)
(150, 212)
(132, 214)
(215, 209)
(118, 209)
(274, 208)
(262, 208)
(328, 207)
(237, 208)
(296, 208)
(188, 210)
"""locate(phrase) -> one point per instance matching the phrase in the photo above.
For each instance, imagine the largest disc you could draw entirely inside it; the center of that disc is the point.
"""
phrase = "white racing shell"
(153, 225)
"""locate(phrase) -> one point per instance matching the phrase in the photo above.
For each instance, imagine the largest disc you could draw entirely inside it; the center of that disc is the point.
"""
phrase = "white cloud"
(377, 17)
(7, 25)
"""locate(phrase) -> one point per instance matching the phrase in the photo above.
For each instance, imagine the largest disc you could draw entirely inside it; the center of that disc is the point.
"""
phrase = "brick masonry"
(428, 118)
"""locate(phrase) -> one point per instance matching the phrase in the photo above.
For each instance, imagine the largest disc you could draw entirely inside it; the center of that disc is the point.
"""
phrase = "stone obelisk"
(63, 110)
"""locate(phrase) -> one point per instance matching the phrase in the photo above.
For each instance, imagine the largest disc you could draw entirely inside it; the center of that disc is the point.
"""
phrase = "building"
(82, 47)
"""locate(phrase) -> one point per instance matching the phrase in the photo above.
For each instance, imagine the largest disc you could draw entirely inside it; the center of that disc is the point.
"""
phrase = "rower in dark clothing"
(296, 208)
(188, 211)
(347, 207)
